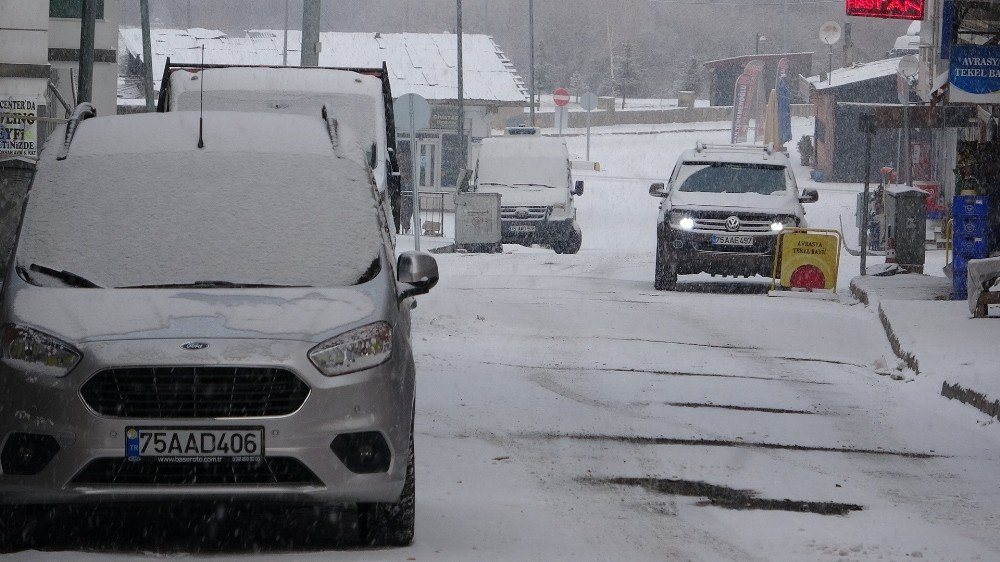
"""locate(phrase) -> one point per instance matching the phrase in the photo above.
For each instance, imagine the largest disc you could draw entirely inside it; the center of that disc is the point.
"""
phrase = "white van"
(359, 99)
(533, 177)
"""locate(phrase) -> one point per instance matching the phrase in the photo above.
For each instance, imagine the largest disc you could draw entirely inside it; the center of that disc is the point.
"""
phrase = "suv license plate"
(523, 228)
(731, 240)
(191, 444)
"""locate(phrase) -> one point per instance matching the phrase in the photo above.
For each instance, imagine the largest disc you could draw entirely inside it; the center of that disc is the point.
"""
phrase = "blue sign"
(975, 74)
(947, 28)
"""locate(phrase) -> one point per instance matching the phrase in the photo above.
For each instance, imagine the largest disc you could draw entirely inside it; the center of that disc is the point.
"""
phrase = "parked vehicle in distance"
(722, 210)
(360, 98)
(533, 176)
(226, 323)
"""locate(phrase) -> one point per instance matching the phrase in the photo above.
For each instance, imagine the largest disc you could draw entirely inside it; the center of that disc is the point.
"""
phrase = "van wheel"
(391, 523)
(666, 268)
(572, 243)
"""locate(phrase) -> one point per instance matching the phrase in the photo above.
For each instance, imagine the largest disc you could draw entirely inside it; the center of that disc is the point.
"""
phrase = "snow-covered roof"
(419, 63)
(859, 72)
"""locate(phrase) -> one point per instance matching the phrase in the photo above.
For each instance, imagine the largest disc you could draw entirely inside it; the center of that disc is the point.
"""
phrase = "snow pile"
(267, 201)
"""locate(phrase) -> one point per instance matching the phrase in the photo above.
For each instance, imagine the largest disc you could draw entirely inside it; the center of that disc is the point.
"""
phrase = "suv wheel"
(391, 523)
(666, 268)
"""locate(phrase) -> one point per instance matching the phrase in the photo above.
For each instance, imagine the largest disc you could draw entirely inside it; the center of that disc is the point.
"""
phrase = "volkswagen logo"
(521, 213)
(194, 345)
(733, 224)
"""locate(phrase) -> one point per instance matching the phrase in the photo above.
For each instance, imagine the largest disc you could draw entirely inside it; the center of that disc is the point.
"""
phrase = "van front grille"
(270, 470)
(194, 392)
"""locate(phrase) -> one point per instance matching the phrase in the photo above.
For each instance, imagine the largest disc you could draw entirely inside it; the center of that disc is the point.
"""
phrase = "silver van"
(217, 323)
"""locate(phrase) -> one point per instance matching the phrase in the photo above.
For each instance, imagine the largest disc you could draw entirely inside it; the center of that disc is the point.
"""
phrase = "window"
(72, 9)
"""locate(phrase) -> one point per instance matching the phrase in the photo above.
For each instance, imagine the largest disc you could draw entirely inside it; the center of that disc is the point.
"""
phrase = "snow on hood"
(267, 201)
(528, 196)
(87, 315)
(780, 203)
(523, 160)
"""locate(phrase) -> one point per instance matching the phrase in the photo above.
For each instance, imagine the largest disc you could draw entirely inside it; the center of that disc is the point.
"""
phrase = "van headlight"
(34, 352)
(361, 348)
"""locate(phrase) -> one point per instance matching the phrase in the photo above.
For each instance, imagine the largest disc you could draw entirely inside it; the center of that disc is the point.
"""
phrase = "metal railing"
(431, 212)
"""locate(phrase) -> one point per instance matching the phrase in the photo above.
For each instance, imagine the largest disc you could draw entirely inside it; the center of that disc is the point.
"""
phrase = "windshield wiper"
(495, 183)
(535, 185)
(69, 278)
(215, 285)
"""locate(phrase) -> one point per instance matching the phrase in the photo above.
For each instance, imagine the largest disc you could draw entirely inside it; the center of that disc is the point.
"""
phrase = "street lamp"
(756, 44)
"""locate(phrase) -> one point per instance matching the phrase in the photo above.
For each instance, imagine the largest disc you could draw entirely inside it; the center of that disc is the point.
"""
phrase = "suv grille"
(715, 221)
(276, 470)
(523, 213)
(194, 392)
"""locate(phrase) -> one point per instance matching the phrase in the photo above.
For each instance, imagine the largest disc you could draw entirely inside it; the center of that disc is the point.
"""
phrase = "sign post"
(561, 99)
(19, 128)
(589, 103)
(415, 114)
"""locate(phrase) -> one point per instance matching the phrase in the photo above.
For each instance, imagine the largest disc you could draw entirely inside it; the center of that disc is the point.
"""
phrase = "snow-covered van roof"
(356, 99)
(419, 63)
(267, 201)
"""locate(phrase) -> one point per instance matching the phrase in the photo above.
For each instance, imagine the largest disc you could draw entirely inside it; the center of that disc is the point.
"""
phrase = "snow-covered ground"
(566, 410)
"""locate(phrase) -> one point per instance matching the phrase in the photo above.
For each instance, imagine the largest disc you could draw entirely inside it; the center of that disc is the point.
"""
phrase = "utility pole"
(461, 94)
(147, 54)
(310, 32)
(190, 25)
(284, 52)
(88, 27)
(531, 71)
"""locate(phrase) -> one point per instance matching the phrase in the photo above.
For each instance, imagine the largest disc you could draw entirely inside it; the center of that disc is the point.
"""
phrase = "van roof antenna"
(201, 115)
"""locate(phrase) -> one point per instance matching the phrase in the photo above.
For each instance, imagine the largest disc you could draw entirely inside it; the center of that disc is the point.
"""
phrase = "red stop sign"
(561, 97)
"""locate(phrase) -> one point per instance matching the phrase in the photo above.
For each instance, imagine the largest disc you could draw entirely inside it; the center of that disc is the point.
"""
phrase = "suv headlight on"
(35, 352)
(681, 220)
(361, 348)
(781, 223)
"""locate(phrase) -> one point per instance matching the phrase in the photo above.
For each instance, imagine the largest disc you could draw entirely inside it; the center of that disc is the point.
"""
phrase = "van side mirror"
(658, 189)
(809, 196)
(578, 190)
(418, 271)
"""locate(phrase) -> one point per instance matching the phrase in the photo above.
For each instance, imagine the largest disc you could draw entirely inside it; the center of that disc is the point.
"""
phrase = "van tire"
(572, 243)
(665, 278)
(391, 523)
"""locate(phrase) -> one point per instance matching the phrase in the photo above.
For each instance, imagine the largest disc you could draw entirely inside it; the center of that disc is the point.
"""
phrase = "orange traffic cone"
(890, 251)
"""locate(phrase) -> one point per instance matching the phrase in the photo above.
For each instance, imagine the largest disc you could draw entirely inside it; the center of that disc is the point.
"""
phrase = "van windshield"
(731, 177)
(201, 219)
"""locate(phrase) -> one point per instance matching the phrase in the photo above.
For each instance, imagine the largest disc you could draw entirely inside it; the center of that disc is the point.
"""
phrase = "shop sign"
(891, 9)
(975, 74)
(18, 127)
(809, 260)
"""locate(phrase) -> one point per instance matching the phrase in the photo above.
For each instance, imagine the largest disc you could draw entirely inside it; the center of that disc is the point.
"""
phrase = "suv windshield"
(179, 219)
(730, 177)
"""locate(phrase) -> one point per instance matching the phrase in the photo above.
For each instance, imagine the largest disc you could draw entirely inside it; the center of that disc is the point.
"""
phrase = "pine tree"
(628, 79)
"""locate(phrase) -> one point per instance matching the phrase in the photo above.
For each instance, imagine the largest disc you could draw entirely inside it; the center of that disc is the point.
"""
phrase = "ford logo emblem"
(194, 345)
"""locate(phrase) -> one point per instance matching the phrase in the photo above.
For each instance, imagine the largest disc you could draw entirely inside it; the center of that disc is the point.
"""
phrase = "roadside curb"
(966, 396)
(972, 398)
(908, 358)
(897, 348)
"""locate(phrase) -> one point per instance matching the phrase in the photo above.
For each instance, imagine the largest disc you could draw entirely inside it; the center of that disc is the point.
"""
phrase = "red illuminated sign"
(893, 9)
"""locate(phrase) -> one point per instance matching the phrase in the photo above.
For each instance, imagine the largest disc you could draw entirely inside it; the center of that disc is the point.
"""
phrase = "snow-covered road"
(566, 410)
